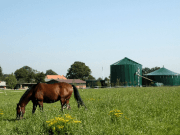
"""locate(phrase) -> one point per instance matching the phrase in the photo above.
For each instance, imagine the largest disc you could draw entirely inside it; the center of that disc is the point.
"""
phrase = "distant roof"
(70, 81)
(56, 77)
(163, 71)
(125, 61)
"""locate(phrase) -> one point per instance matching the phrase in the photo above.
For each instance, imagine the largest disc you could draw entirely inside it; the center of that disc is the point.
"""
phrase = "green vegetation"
(130, 111)
(28, 75)
(79, 70)
(11, 81)
(50, 72)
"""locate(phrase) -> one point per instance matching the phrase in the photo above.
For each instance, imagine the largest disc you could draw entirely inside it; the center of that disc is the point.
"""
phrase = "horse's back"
(52, 92)
(66, 89)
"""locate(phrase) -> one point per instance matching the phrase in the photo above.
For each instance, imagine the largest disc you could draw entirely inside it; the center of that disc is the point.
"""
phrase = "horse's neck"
(25, 98)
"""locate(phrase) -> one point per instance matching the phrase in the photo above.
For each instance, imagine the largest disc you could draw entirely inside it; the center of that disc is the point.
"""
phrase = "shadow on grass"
(9, 119)
(14, 119)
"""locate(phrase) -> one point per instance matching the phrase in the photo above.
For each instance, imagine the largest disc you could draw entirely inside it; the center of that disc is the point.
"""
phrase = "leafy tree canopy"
(11, 81)
(50, 72)
(147, 70)
(90, 77)
(27, 73)
(1, 74)
(21, 73)
(40, 77)
(98, 83)
(2, 77)
(106, 79)
(99, 78)
(78, 70)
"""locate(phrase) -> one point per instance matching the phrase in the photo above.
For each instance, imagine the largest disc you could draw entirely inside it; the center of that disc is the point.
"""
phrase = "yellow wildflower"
(58, 126)
(53, 128)
(76, 121)
(1, 113)
(68, 116)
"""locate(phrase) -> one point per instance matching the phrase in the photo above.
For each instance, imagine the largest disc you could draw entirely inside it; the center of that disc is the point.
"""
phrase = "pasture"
(139, 111)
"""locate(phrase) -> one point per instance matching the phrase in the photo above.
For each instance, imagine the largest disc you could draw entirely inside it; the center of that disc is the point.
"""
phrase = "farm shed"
(24, 85)
(93, 83)
(124, 72)
(165, 76)
(77, 82)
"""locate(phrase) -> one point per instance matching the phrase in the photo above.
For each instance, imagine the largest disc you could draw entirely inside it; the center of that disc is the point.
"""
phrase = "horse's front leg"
(34, 107)
(40, 105)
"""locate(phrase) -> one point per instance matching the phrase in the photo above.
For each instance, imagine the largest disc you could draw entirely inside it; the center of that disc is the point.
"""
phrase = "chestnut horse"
(48, 93)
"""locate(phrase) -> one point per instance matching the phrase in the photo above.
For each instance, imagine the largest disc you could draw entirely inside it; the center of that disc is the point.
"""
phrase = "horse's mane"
(26, 93)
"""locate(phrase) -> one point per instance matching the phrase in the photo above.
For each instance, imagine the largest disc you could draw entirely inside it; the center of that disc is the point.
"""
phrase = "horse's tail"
(78, 97)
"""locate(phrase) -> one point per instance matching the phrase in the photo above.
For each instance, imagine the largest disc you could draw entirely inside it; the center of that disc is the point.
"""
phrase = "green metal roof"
(163, 71)
(125, 61)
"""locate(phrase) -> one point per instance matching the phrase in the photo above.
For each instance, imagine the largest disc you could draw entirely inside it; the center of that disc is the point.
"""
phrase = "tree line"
(78, 70)
(26, 74)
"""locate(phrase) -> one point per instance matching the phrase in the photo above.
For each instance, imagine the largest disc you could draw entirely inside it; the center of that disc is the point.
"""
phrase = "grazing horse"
(48, 93)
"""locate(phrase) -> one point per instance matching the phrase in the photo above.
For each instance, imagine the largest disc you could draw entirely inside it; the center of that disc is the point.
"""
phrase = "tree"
(90, 77)
(11, 81)
(106, 79)
(99, 78)
(21, 73)
(2, 77)
(40, 77)
(117, 82)
(31, 74)
(1, 74)
(147, 70)
(50, 72)
(21, 81)
(98, 83)
(27, 73)
(78, 70)
(154, 69)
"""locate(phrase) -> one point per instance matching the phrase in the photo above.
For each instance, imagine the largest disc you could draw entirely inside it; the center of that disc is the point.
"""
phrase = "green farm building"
(165, 76)
(126, 72)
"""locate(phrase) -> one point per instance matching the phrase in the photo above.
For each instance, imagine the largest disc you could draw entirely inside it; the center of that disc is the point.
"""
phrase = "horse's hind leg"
(62, 100)
(40, 105)
(67, 102)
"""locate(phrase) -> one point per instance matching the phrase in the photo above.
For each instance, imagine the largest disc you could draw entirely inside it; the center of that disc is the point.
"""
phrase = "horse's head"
(20, 112)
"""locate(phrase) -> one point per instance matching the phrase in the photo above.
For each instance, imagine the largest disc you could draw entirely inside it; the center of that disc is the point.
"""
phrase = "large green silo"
(125, 71)
(165, 76)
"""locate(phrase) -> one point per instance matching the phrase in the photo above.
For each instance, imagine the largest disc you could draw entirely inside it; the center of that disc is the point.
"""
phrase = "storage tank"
(165, 76)
(124, 72)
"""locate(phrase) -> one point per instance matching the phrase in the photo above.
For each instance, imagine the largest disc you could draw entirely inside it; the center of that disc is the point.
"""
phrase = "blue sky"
(54, 34)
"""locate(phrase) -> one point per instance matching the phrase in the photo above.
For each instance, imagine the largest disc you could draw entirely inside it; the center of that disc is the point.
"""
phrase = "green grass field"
(146, 111)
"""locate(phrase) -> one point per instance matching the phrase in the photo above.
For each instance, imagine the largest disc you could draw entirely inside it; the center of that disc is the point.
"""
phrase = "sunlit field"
(126, 111)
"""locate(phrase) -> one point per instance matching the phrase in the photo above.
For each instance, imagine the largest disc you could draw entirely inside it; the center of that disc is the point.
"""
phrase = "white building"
(2, 84)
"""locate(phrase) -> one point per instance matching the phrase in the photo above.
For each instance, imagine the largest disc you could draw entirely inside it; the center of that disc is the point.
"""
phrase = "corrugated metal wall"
(126, 73)
(167, 80)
